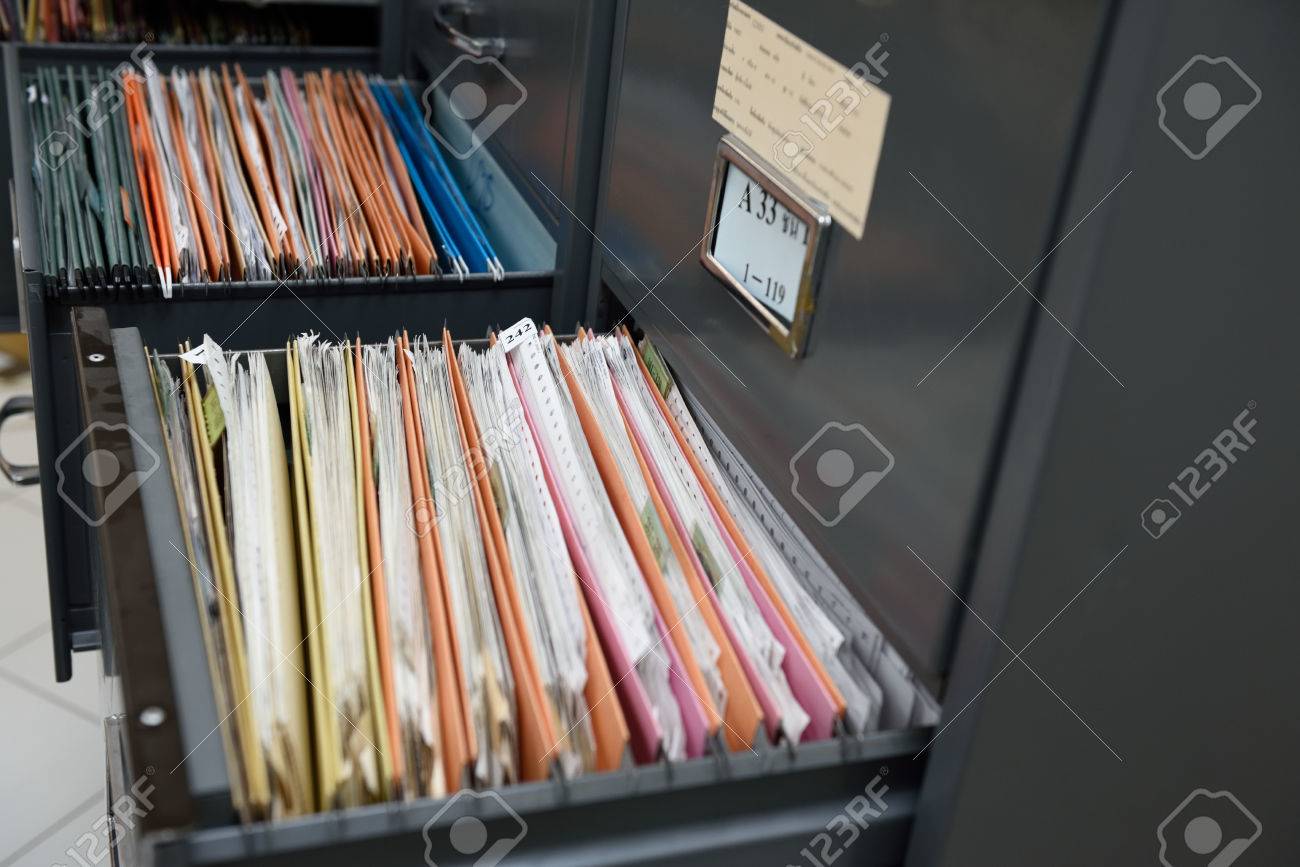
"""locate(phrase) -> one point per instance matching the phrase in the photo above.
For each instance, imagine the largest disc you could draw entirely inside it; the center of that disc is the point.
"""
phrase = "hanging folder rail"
(305, 288)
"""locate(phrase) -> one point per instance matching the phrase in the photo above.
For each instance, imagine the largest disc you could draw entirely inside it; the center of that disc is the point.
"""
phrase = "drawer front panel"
(918, 326)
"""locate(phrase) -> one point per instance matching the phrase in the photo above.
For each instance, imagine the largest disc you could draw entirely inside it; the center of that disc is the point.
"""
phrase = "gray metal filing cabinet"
(1051, 310)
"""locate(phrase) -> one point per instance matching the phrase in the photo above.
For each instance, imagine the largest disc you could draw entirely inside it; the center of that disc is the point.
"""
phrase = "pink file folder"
(804, 682)
(771, 713)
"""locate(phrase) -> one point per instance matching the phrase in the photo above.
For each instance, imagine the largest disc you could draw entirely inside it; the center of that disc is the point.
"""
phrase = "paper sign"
(819, 123)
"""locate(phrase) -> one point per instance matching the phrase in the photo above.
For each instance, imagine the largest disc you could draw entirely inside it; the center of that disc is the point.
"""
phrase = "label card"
(761, 242)
(516, 334)
(819, 123)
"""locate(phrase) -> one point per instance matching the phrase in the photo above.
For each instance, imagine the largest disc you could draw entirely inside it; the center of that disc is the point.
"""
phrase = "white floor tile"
(27, 599)
(32, 665)
(56, 845)
(52, 760)
(21, 538)
(51, 734)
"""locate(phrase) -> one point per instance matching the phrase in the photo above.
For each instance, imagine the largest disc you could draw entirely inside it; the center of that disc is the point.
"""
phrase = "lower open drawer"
(798, 804)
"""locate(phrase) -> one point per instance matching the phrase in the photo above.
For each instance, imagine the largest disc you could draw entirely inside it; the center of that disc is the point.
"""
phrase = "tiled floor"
(51, 737)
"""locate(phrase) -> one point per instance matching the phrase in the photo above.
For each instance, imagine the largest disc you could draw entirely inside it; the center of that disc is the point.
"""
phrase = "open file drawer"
(370, 50)
(775, 799)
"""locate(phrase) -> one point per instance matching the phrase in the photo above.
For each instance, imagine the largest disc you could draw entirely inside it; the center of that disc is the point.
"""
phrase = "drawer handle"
(19, 474)
(475, 46)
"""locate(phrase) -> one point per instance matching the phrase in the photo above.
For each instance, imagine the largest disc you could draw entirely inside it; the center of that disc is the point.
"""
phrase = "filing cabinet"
(977, 361)
(539, 179)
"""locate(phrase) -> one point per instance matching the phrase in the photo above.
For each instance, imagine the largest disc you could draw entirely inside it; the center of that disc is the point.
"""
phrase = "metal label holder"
(792, 338)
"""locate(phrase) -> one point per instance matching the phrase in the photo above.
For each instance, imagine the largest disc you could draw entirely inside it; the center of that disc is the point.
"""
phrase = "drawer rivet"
(96, 357)
(153, 716)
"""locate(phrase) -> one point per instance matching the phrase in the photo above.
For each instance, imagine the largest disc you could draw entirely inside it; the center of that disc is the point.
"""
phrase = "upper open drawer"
(157, 182)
